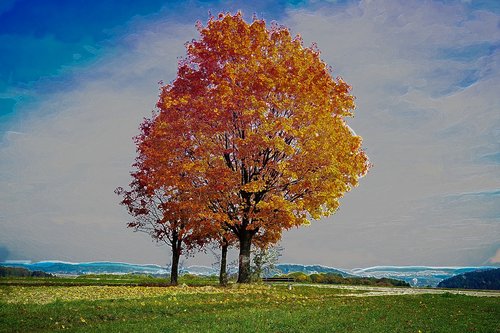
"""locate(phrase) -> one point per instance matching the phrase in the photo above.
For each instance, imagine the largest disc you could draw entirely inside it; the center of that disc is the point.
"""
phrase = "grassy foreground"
(252, 308)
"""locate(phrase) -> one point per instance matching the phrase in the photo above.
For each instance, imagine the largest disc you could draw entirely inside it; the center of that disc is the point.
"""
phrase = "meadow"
(133, 304)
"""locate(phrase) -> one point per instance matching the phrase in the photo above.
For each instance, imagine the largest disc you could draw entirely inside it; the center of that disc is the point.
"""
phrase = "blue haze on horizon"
(76, 79)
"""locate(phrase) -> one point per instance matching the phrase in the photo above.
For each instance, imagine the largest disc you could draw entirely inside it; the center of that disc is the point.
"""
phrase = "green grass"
(107, 279)
(254, 308)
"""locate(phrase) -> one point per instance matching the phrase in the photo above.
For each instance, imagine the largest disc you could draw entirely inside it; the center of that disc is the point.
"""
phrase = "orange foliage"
(253, 128)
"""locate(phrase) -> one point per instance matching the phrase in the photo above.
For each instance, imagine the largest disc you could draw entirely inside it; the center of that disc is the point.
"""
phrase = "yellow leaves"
(166, 296)
(254, 186)
(252, 106)
(183, 100)
(44, 295)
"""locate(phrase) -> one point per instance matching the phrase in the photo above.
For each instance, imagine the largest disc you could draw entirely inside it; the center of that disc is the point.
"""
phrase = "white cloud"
(425, 134)
(58, 175)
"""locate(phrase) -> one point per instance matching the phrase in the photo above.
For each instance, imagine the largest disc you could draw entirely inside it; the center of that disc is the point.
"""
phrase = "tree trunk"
(223, 264)
(245, 239)
(176, 253)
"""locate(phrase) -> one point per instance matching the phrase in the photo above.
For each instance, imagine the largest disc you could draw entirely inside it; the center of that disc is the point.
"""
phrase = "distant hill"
(336, 278)
(489, 279)
(309, 269)
(104, 267)
(417, 276)
(21, 272)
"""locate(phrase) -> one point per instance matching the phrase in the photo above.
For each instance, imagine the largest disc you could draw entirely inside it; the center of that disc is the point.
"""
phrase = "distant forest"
(489, 279)
(335, 278)
(21, 272)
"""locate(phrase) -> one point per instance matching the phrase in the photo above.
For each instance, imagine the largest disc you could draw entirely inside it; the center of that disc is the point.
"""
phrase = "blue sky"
(77, 77)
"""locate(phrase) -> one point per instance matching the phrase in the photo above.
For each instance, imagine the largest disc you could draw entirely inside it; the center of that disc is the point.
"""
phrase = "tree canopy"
(253, 128)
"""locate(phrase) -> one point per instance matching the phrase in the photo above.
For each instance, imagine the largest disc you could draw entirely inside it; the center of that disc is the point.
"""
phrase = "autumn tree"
(223, 242)
(260, 122)
(225, 239)
(164, 208)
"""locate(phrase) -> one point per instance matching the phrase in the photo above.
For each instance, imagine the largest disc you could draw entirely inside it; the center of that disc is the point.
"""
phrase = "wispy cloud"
(58, 174)
(425, 75)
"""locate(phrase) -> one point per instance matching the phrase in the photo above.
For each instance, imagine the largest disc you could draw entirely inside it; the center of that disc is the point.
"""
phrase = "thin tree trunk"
(176, 253)
(223, 263)
(244, 273)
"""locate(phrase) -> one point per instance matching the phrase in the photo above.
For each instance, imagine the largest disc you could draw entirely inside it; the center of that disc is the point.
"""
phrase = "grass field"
(129, 307)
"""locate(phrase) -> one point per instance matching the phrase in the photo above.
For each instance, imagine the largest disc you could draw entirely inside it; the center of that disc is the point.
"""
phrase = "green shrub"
(300, 277)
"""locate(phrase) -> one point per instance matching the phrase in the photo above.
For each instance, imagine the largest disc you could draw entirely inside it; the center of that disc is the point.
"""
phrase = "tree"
(164, 208)
(223, 261)
(265, 261)
(223, 242)
(150, 216)
(260, 121)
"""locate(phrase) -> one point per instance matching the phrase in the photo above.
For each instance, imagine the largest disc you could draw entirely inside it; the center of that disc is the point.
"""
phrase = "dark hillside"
(489, 280)
(21, 272)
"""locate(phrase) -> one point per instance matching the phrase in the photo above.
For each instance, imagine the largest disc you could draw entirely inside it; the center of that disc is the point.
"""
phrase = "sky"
(77, 78)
